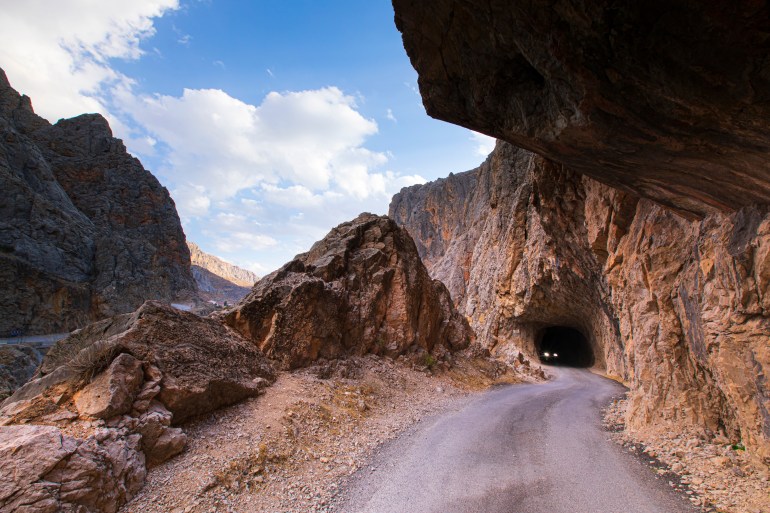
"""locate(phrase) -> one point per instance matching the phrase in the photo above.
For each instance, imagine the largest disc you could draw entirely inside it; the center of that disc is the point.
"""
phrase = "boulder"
(136, 374)
(45, 471)
(113, 391)
(362, 289)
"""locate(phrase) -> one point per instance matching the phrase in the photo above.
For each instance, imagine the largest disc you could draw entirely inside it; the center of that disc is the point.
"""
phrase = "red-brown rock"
(676, 308)
(362, 289)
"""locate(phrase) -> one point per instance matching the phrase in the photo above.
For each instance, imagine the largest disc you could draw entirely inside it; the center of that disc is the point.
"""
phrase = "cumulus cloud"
(484, 143)
(58, 52)
(296, 147)
(277, 175)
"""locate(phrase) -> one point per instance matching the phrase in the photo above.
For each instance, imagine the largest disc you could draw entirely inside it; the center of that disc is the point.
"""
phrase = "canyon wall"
(677, 308)
(85, 231)
(217, 280)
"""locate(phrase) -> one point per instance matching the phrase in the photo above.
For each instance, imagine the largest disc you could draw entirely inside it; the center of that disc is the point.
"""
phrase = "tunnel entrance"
(559, 345)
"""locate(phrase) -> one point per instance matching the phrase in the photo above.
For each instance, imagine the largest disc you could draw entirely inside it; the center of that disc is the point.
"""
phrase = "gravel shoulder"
(715, 474)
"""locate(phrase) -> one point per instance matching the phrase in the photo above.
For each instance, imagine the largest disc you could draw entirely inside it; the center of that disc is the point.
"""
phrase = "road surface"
(517, 449)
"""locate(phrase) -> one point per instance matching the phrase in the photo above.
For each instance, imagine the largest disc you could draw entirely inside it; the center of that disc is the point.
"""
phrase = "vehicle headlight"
(546, 354)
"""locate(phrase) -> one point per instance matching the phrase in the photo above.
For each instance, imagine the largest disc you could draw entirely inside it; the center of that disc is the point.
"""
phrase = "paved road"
(518, 449)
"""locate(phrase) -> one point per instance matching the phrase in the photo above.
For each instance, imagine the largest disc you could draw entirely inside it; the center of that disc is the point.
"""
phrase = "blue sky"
(270, 121)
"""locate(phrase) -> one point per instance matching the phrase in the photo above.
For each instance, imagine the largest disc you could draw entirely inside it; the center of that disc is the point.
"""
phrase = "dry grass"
(82, 357)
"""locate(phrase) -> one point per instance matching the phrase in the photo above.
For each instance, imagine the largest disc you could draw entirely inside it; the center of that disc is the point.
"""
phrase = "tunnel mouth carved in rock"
(562, 345)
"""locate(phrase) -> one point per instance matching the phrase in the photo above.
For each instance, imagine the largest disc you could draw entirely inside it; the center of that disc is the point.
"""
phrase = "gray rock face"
(85, 231)
(670, 100)
(678, 309)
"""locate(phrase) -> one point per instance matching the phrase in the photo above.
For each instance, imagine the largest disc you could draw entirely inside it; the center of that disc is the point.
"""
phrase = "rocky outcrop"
(85, 231)
(101, 410)
(668, 100)
(46, 471)
(217, 280)
(677, 308)
(362, 289)
(17, 364)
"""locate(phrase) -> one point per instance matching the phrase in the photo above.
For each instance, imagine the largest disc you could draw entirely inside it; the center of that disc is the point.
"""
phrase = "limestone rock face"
(677, 308)
(362, 289)
(666, 99)
(119, 384)
(85, 231)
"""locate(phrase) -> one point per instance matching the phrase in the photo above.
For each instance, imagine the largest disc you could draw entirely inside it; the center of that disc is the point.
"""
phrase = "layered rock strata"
(217, 280)
(362, 289)
(677, 308)
(667, 99)
(85, 231)
(225, 270)
(81, 435)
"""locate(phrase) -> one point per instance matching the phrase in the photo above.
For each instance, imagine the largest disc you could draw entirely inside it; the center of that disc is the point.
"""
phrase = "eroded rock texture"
(677, 308)
(82, 434)
(668, 99)
(85, 231)
(362, 289)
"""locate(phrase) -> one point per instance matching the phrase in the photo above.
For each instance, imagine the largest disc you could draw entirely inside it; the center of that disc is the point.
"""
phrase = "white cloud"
(58, 52)
(311, 140)
(484, 143)
(264, 179)
(390, 116)
(191, 200)
(237, 241)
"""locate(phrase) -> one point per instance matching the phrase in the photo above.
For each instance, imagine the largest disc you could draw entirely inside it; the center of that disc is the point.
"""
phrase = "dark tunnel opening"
(559, 345)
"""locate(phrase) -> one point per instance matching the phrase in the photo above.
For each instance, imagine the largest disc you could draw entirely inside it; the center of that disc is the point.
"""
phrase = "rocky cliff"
(217, 280)
(677, 308)
(362, 289)
(667, 99)
(85, 231)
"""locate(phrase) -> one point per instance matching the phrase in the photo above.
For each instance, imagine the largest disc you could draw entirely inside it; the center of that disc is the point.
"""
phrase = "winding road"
(517, 449)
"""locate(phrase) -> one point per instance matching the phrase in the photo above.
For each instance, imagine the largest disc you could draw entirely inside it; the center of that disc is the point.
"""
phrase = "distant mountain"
(85, 231)
(218, 280)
